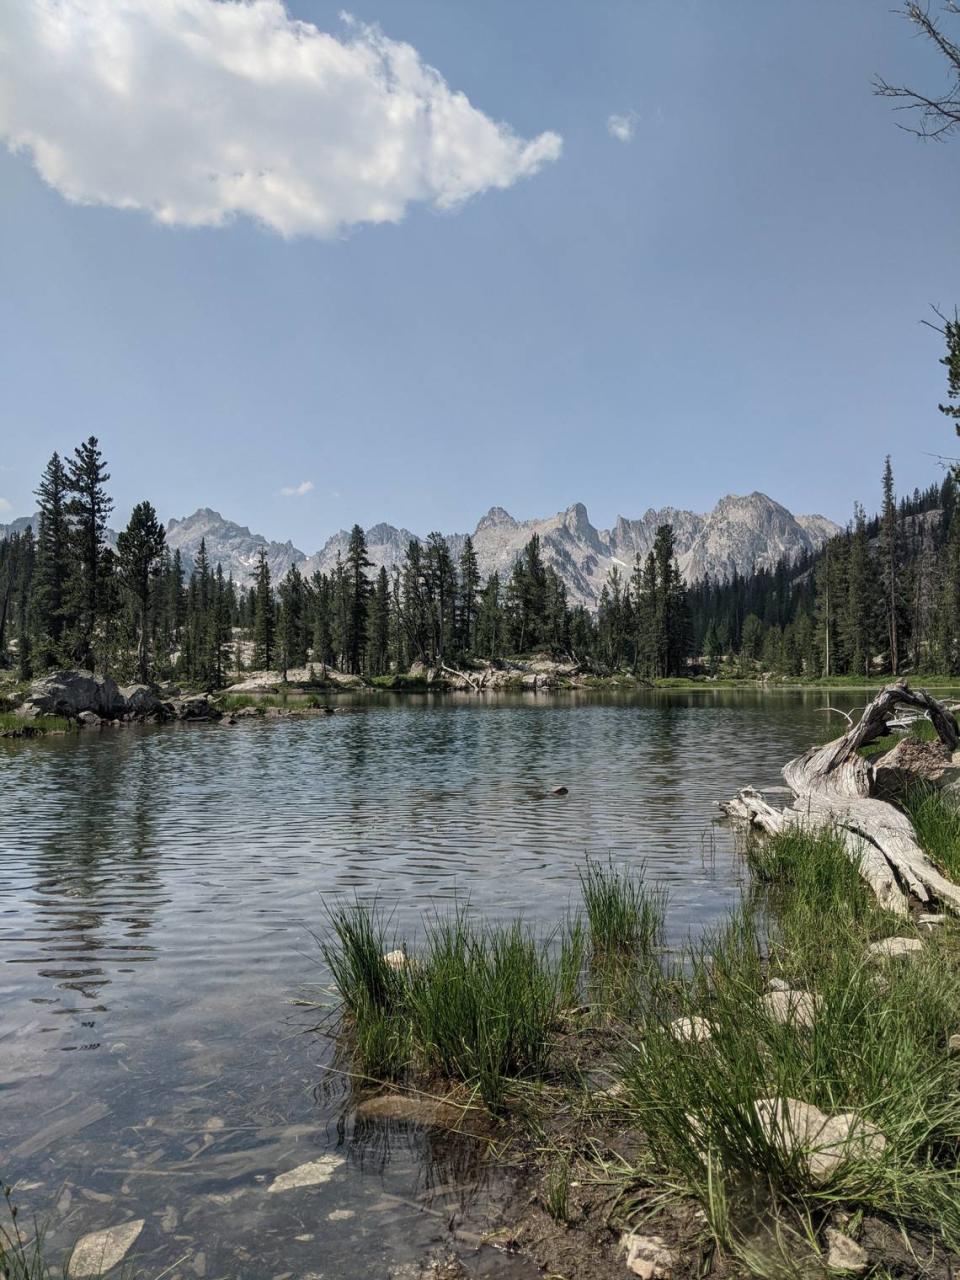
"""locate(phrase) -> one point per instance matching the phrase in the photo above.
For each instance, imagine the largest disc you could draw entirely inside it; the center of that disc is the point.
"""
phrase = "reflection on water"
(159, 889)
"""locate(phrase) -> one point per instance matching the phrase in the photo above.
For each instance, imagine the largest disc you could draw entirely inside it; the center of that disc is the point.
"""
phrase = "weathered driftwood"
(834, 787)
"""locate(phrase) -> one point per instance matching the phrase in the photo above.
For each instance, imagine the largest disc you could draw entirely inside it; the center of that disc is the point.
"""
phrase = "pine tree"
(139, 548)
(357, 591)
(469, 587)
(378, 627)
(51, 577)
(890, 558)
(87, 509)
(264, 618)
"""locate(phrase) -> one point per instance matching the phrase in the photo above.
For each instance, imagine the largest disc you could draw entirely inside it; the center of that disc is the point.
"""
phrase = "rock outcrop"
(81, 696)
(68, 693)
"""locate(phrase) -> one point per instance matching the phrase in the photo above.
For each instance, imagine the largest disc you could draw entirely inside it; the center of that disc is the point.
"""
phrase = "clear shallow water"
(159, 892)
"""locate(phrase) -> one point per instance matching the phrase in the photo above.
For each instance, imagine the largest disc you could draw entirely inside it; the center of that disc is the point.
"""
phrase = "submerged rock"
(648, 1256)
(311, 1174)
(100, 1251)
(429, 1112)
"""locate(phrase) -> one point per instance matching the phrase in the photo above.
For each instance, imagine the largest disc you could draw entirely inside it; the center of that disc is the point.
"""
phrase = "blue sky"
(730, 300)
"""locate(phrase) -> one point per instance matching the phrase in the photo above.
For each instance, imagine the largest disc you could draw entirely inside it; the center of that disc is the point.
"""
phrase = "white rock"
(340, 1215)
(778, 984)
(100, 1251)
(396, 959)
(307, 1175)
(930, 921)
(696, 1029)
(798, 1008)
(894, 947)
(953, 1044)
(845, 1254)
(648, 1256)
(825, 1141)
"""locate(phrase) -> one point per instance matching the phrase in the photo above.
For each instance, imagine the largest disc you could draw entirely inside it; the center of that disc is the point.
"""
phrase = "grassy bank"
(704, 1063)
(14, 726)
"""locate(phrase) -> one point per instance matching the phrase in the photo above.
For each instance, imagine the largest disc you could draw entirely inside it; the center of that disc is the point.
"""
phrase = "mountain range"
(739, 534)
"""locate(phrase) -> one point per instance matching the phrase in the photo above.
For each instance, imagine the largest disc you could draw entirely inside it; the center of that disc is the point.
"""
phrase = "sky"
(430, 256)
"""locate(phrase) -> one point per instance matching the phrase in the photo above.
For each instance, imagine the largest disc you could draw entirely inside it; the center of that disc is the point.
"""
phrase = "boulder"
(695, 1029)
(68, 693)
(793, 1008)
(194, 707)
(824, 1142)
(396, 959)
(778, 984)
(140, 700)
(89, 718)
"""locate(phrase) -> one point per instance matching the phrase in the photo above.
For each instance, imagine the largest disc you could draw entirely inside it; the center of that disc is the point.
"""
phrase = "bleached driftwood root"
(833, 788)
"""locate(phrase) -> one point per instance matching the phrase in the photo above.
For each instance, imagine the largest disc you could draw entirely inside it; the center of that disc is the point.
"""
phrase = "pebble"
(845, 1254)
(648, 1256)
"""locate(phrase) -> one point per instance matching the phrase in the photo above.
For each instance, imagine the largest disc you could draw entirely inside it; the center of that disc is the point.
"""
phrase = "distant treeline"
(68, 598)
(883, 596)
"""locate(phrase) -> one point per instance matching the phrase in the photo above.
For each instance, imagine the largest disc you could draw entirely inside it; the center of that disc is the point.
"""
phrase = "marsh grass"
(937, 824)
(877, 1047)
(623, 915)
(478, 1004)
(10, 723)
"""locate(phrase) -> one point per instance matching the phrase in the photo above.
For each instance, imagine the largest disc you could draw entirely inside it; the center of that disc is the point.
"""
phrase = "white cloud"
(5, 505)
(297, 490)
(199, 110)
(622, 127)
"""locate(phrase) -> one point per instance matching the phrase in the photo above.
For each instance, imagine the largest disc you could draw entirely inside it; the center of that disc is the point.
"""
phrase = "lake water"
(160, 890)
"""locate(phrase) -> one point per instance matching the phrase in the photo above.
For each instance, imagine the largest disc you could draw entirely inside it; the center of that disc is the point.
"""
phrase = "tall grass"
(480, 1004)
(623, 915)
(937, 823)
(877, 1047)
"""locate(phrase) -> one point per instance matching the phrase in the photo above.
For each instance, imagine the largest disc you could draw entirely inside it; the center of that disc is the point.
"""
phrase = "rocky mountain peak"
(496, 518)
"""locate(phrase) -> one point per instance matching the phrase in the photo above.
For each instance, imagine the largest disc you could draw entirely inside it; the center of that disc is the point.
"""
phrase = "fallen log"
(834, 788)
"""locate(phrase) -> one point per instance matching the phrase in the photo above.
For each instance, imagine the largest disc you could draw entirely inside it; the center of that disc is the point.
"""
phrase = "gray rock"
(68, 693)
(844, 1254)
(194, 707)
(778, 984)
(89, 718)
(140, 700)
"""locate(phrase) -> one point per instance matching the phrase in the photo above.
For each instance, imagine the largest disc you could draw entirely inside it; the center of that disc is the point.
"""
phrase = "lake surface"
(160, 889)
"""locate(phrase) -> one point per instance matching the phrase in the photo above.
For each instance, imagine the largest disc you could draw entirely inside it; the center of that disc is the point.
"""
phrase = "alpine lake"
(163, 895)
